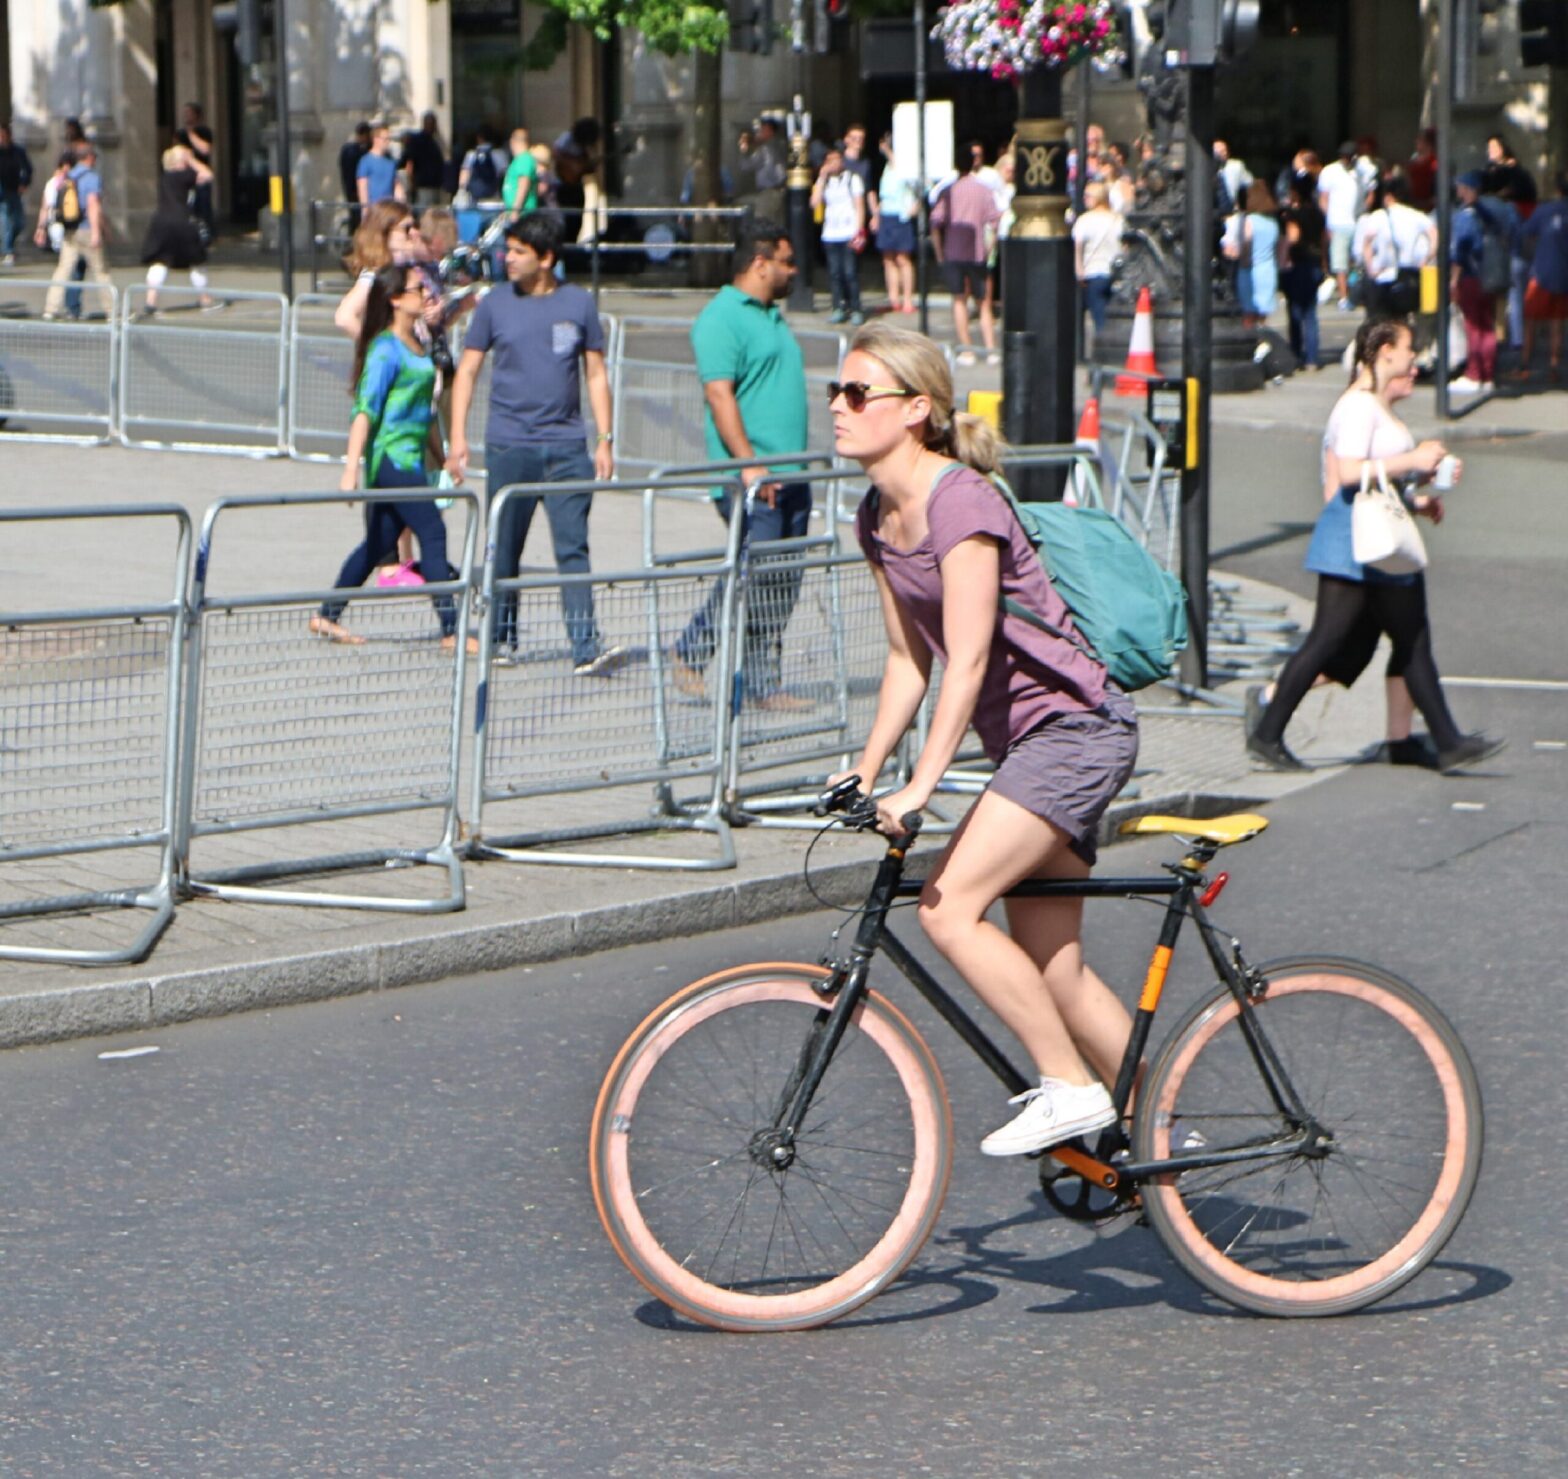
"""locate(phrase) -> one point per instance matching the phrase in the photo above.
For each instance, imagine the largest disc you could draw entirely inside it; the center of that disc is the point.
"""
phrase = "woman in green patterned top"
(392, 431)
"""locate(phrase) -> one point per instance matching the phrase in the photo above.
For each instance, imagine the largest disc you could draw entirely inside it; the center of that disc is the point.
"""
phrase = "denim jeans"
(10, 221)
(843, 275)
(546, 462)
(770, 595)
(383, 523)
(1097, 299)
(1304, 330)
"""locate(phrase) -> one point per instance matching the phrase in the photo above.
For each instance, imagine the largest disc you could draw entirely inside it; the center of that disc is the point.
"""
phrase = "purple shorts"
(1069, 769)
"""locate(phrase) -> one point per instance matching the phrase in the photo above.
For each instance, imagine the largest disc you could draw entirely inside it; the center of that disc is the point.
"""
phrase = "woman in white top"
(1356, 600)
(841, 198)
(1097, 238)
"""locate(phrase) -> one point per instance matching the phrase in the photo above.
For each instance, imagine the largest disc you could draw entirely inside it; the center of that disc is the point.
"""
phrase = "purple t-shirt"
(1031, 676)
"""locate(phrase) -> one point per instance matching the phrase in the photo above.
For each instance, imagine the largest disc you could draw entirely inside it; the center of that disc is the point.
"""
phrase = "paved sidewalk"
(223, 956)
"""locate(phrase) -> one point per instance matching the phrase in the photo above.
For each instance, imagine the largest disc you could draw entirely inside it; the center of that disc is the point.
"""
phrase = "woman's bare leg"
(1000, 844)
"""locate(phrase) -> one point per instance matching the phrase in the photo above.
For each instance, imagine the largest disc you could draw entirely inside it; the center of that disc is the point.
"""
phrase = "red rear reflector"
(1214, 890)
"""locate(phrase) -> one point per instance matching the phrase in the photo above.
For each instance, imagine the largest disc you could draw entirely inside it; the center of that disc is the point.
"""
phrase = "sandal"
(330, 631)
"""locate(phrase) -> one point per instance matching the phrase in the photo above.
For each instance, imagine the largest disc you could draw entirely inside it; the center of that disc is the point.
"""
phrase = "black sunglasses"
(857, 393)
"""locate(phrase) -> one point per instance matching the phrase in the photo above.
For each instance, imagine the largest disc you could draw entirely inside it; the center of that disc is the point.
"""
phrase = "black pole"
(1039, 294)
(1197, 343)
(923, 225)
(283, 186)
(797, 205)
(1082, 179)
(1444, 182)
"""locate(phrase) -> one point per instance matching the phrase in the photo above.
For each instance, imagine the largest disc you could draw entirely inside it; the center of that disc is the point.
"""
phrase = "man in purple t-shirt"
(961, 223)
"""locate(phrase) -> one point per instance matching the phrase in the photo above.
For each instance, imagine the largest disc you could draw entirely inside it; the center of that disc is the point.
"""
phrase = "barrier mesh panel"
(551, 729)
(82, 731)
(58, 371)
(194, 371)
(292, 723)
(813, 651)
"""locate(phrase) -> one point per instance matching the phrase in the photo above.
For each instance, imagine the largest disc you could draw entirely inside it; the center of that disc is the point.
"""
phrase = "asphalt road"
(355, 1238)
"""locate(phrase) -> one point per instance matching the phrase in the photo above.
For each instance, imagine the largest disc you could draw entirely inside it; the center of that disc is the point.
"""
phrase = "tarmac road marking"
(1532, 685)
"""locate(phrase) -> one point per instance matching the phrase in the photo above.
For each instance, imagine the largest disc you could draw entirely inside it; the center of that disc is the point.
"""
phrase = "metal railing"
(283, 730)
(89, 742)
(57, 379)
(197, 382)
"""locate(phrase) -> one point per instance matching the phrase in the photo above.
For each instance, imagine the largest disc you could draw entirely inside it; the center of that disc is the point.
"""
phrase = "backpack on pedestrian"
(68, 205)
(1131, 612)
(1496, 271)
(484, 179)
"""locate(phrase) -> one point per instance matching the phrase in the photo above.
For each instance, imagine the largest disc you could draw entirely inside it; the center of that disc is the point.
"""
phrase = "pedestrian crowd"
(1355, 232)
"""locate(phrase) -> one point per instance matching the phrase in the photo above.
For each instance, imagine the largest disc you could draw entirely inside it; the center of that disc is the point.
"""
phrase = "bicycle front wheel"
(1347, 1220)
(683, 1181)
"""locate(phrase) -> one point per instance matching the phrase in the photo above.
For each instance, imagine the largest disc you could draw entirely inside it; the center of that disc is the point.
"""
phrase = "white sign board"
(939, 139)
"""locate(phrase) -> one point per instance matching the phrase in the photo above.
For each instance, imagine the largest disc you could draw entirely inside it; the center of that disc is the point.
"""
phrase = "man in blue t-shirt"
(376, 177)
(546, 339)
(85, 228)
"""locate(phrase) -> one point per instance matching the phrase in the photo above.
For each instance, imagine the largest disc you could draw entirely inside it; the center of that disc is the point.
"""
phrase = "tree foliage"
(669, 26)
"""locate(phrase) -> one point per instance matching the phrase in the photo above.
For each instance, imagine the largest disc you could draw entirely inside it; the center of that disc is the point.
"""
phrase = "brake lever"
(838, 797)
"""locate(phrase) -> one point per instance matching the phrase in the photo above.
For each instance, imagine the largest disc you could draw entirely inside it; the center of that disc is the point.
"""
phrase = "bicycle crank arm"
(1097, 1172)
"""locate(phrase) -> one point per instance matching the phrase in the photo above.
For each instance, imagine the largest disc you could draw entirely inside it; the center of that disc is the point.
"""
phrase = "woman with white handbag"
(1368, 557)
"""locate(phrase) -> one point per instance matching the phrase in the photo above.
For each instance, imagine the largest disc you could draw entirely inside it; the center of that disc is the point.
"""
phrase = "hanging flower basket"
(1006, 37)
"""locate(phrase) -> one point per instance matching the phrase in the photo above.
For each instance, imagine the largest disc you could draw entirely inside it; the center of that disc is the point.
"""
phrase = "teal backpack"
(1130, 611)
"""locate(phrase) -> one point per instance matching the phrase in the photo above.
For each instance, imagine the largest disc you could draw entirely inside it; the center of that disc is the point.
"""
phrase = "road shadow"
(1124, 1266)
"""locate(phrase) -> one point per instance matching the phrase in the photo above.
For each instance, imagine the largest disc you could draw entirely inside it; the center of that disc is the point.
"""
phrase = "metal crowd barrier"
(321, 361)
(90, 694)
(543, 731)
(282, 729)
(198, 381)
(57, 380)
(809, 650)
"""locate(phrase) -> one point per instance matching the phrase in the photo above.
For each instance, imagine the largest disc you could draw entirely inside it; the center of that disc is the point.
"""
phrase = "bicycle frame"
(850, 981)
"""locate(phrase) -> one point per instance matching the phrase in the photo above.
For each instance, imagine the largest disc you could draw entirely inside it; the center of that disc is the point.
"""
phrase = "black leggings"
(1345, 607)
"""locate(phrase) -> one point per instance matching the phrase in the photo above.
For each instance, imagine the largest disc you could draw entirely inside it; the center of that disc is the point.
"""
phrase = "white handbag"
(1383, 531)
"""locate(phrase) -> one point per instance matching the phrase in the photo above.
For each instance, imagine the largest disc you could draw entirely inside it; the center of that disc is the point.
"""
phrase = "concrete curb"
(99, 1009)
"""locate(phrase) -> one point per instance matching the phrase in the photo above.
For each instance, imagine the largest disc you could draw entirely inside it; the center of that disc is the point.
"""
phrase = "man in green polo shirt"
(754, 382)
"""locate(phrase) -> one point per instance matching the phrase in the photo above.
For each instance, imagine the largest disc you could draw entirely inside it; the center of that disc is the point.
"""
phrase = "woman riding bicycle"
(944, 548)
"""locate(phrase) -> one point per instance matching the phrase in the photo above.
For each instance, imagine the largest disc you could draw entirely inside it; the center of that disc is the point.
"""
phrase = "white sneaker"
(8, 260)
(1464, 385)
(1054, 1112)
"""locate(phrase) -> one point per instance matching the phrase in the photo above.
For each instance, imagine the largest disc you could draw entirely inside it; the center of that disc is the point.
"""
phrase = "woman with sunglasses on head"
(393, 430)
(945, 547)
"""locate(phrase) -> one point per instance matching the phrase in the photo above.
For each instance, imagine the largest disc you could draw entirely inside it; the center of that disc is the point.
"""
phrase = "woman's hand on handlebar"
(892, 810)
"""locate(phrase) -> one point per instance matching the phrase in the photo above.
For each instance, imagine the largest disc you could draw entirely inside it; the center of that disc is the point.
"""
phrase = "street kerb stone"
(88, 1010)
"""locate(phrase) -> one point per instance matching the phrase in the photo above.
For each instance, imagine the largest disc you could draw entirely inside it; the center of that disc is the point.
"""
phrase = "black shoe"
(1471, 750)
(1412, 751)
(1273, 754)
(1253, 706)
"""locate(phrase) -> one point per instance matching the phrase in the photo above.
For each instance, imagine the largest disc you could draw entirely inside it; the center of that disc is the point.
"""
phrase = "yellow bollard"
(987, 405)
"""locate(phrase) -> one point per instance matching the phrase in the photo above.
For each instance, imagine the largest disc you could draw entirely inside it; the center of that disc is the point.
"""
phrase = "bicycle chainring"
(1078, 1200)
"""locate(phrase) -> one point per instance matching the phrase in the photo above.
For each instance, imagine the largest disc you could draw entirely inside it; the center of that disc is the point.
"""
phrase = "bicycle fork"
(774, 1149)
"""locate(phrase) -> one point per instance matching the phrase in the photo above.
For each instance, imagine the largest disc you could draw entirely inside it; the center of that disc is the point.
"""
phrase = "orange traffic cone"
(1140, 348)
(1080, 490)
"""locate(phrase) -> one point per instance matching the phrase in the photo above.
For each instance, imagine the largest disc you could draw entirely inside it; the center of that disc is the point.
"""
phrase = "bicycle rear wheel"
(1335, 1228)
(687, 1193)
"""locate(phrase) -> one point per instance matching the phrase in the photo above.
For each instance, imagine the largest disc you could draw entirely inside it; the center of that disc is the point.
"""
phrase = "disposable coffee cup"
(1443, 480)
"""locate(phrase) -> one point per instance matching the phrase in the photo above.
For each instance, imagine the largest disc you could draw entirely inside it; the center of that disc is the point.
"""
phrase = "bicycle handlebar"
(859, 810)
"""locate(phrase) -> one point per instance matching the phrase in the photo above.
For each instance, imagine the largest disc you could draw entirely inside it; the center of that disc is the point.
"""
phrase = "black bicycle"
(771, 1147)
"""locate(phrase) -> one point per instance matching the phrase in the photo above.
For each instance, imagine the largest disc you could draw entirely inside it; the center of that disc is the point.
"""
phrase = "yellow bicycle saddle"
(1223, 830)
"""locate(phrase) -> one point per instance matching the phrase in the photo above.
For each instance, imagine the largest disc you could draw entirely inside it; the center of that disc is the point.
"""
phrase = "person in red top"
(1421, 171)
(961, 221)
(944, 547)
